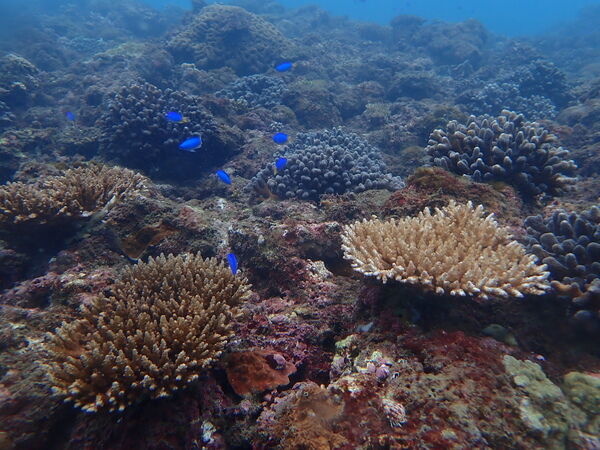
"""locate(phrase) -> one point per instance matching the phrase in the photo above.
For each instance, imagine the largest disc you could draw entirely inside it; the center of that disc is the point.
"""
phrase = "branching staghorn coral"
(166, 321)
(458, 250)
(79, 192)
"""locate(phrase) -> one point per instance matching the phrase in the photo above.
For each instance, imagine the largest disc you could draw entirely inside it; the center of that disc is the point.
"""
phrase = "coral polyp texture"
(166, 321)
(457, 250)
(78, 193)
(253, 43)
(326, 162)
(507, 149)
(569, 244)
(137, 134)
(255, 91)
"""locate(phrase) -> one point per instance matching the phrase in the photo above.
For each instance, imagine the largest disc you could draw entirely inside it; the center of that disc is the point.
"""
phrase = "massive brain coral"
(137, 134)
(508, 149)
(228, 36)
(326, 162)
(166, 321)
(457, 251)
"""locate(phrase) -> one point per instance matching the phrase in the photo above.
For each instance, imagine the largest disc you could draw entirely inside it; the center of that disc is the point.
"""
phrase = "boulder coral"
(253, 44)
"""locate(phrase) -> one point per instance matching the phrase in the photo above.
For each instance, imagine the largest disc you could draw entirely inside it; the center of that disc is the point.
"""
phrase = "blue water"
(506, 17)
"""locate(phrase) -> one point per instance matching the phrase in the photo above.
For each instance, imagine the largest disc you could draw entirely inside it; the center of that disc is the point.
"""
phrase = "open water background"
(507, 17)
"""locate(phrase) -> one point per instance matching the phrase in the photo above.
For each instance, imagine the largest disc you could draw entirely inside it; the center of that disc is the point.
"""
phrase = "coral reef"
(136, 133)
(253, 44)
(569, 244)
(436, 252)
(434, 187)
(19, 81)
(318, 356)
(507, 149)
(166, 321)
(326, 162)
(76, 194)
(543, 78)
(543, 408)
(497, 96)
(257, 371)
(255, 91)
(440, 391)
(524, 82)
(313, 104)
(452, 43)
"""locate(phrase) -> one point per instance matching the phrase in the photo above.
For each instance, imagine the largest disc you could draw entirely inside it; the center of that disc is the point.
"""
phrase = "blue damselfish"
(191, 144)
(233, 263)
(284, 66)
(280, 163)
(280, 138)
(174, 116)
(224, 176)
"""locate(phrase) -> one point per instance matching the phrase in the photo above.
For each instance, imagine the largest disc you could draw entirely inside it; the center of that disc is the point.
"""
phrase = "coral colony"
(254, 227)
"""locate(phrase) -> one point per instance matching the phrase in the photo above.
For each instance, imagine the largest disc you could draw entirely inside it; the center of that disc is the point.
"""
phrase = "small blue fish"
(280, 163)
(173, 116)
(191, 144)
(70, 116)
(233, 263)
(223, 176)
(284, 66)
(280, 138)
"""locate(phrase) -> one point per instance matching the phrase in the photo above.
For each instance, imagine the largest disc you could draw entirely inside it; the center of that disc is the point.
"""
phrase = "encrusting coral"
(166, 321)
(457, 250)
(78, 193)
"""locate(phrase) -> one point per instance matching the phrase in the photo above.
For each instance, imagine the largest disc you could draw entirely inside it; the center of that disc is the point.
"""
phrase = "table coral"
(457, 250)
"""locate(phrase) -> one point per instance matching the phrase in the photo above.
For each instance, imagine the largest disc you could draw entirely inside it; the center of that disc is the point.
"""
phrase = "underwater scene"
(334, 224)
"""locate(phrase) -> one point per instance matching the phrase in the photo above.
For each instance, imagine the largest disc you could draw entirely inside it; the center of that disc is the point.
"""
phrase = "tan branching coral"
(458, 250)
(79, 192)
(166, 321)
